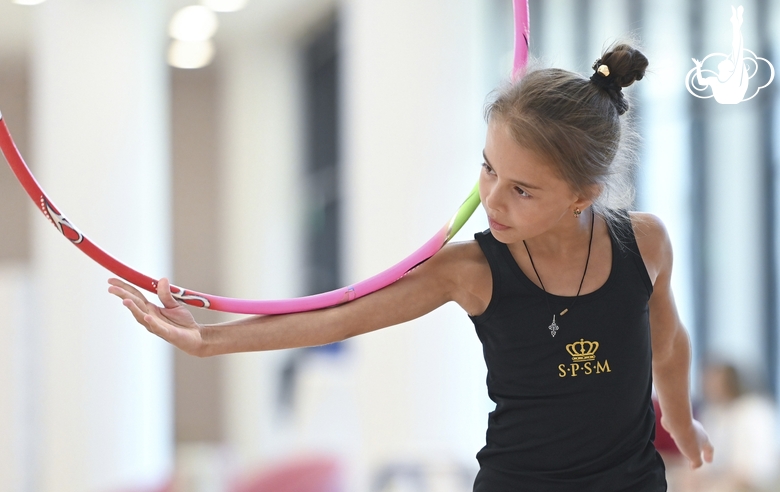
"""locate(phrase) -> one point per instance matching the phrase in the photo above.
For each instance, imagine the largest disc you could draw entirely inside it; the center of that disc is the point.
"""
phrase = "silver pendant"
(553, 327)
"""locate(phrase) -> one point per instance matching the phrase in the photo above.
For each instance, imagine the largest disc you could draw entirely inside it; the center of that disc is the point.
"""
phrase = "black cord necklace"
(553, 326)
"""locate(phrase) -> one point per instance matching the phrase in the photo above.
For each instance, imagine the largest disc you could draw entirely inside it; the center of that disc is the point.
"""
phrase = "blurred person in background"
(743, 426)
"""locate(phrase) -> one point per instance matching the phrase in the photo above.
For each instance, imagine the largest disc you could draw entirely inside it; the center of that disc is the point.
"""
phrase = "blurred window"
(323, 216)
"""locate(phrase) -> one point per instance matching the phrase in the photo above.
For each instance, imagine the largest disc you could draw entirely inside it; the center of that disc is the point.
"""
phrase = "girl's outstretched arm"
(430, 285)
(671, 345)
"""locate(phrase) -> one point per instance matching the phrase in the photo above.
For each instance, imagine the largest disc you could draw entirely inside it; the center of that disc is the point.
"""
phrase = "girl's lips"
(496, 225)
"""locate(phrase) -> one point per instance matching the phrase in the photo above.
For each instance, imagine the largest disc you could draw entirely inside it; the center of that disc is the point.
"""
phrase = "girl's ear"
(587, 196)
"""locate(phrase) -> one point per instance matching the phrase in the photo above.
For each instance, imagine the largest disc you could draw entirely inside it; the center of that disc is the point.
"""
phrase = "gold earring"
(577, 213)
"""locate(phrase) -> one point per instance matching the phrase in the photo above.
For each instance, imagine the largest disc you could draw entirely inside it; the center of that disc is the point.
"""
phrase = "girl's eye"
(487, 168)
(522, 192)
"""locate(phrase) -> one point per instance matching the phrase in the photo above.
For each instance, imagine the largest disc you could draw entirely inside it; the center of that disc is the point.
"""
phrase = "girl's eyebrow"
(522, 184)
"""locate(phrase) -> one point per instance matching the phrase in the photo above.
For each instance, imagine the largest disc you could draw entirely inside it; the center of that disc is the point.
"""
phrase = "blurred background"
(277, 148)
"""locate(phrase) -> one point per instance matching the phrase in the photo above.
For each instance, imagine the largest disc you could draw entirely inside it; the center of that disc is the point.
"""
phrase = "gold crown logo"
(582, 350)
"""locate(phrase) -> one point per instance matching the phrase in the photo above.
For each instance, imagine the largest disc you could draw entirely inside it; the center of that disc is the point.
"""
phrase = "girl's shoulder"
(653, 241)
(464, 251)
(464, 266)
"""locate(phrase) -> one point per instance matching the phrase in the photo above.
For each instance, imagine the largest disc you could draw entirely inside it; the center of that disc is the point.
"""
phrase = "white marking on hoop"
(58, 220)
(183, 296)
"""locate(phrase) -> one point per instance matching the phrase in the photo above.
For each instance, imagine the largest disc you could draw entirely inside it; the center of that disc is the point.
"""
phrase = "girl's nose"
(492, 199)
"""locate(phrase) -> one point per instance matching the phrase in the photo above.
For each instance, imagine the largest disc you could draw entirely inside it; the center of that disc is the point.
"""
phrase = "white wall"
(412, 151)
(100, 147)
(17, 380)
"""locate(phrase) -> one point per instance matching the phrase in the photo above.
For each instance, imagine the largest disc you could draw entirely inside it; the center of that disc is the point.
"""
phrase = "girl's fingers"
(124, 285)
(137, 312)
(164, 293)
(151, 323)
(139, 302)
(127, 291)
(708, 451)
(694, 458)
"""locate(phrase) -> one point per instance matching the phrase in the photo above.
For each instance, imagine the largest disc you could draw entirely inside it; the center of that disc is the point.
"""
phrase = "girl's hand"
(694, 444)
(173, 322)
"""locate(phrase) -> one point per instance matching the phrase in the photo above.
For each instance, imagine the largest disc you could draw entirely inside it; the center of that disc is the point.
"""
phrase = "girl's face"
(520, 191)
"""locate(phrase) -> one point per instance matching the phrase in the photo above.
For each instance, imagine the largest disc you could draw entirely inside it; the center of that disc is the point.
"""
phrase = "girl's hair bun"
(619, 67)
(626, 64)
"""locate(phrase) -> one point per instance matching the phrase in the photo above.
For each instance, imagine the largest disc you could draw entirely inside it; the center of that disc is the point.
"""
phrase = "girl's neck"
(568, 237)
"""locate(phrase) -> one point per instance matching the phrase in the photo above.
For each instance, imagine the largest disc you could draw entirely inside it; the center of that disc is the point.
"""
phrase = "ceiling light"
(193, 23)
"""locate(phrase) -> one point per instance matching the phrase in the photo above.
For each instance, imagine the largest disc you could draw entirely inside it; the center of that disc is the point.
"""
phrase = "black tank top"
(574, 410)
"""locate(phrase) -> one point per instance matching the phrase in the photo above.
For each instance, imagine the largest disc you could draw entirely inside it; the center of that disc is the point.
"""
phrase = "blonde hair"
(576, 123)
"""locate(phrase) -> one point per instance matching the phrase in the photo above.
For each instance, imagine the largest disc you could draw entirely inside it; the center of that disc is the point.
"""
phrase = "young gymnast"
(569, 293)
